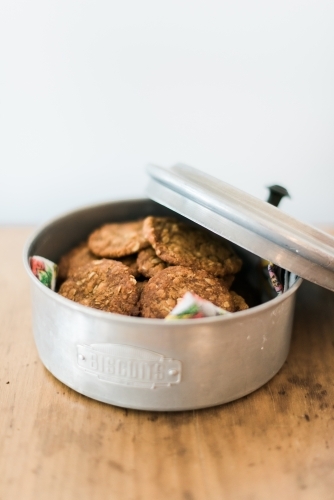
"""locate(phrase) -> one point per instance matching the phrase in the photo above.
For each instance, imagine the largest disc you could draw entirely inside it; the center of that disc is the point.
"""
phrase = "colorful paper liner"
(45, 270)
(192, 306)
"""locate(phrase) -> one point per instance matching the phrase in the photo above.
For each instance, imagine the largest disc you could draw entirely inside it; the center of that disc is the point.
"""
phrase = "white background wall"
(91, 91)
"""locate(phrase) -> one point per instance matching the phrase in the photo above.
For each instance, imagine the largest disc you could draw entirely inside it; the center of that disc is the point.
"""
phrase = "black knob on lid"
(276, 193)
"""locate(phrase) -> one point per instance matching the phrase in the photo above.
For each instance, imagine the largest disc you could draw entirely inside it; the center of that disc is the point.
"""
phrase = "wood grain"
(58, 445)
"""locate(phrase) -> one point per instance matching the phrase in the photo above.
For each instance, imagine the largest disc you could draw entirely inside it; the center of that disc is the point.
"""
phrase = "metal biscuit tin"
(151, 364)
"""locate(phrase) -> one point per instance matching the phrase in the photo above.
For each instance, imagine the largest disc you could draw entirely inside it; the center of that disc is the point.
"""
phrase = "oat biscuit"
(227, 280)
(182, 245)
(131, 262)
(117, 240)
(103, 284)
(140, 288)
(161, 293)
(239, 302)
(78, 256)
(149, 263)
(141, 285)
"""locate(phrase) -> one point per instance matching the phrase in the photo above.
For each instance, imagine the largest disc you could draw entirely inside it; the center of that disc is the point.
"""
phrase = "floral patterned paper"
(192, 306)
(273, 275)
(45, 270)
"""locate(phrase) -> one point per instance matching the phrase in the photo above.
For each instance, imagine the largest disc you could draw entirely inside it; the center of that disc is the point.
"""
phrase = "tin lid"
(245, 220)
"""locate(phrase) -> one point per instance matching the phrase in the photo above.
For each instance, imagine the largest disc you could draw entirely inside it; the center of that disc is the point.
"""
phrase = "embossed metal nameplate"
(127, 365)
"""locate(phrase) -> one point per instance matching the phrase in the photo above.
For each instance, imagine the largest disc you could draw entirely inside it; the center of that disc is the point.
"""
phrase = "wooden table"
(56, 444)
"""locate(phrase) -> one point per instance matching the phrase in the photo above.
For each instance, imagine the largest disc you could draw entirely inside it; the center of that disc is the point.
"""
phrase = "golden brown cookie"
(78, 256)
(103, 284)
(131, 262)
(161, 293)
(227, 280)
(239, 302)
(140, 287)
(182, 245)
(117, 240)
(149, 263)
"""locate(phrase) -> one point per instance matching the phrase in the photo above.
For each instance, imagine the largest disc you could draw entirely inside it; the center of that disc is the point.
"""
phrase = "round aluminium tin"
(151, 364)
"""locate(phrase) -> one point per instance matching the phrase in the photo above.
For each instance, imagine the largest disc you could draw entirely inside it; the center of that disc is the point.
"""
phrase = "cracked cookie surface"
(103, 284)
(181, 245)
(161, 293)
(131, 262)
(72, 260)
(118, 239)
(239, 302)
(149, 263)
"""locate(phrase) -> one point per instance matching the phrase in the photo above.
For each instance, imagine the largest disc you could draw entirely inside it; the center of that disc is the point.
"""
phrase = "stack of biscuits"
(143, 268)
